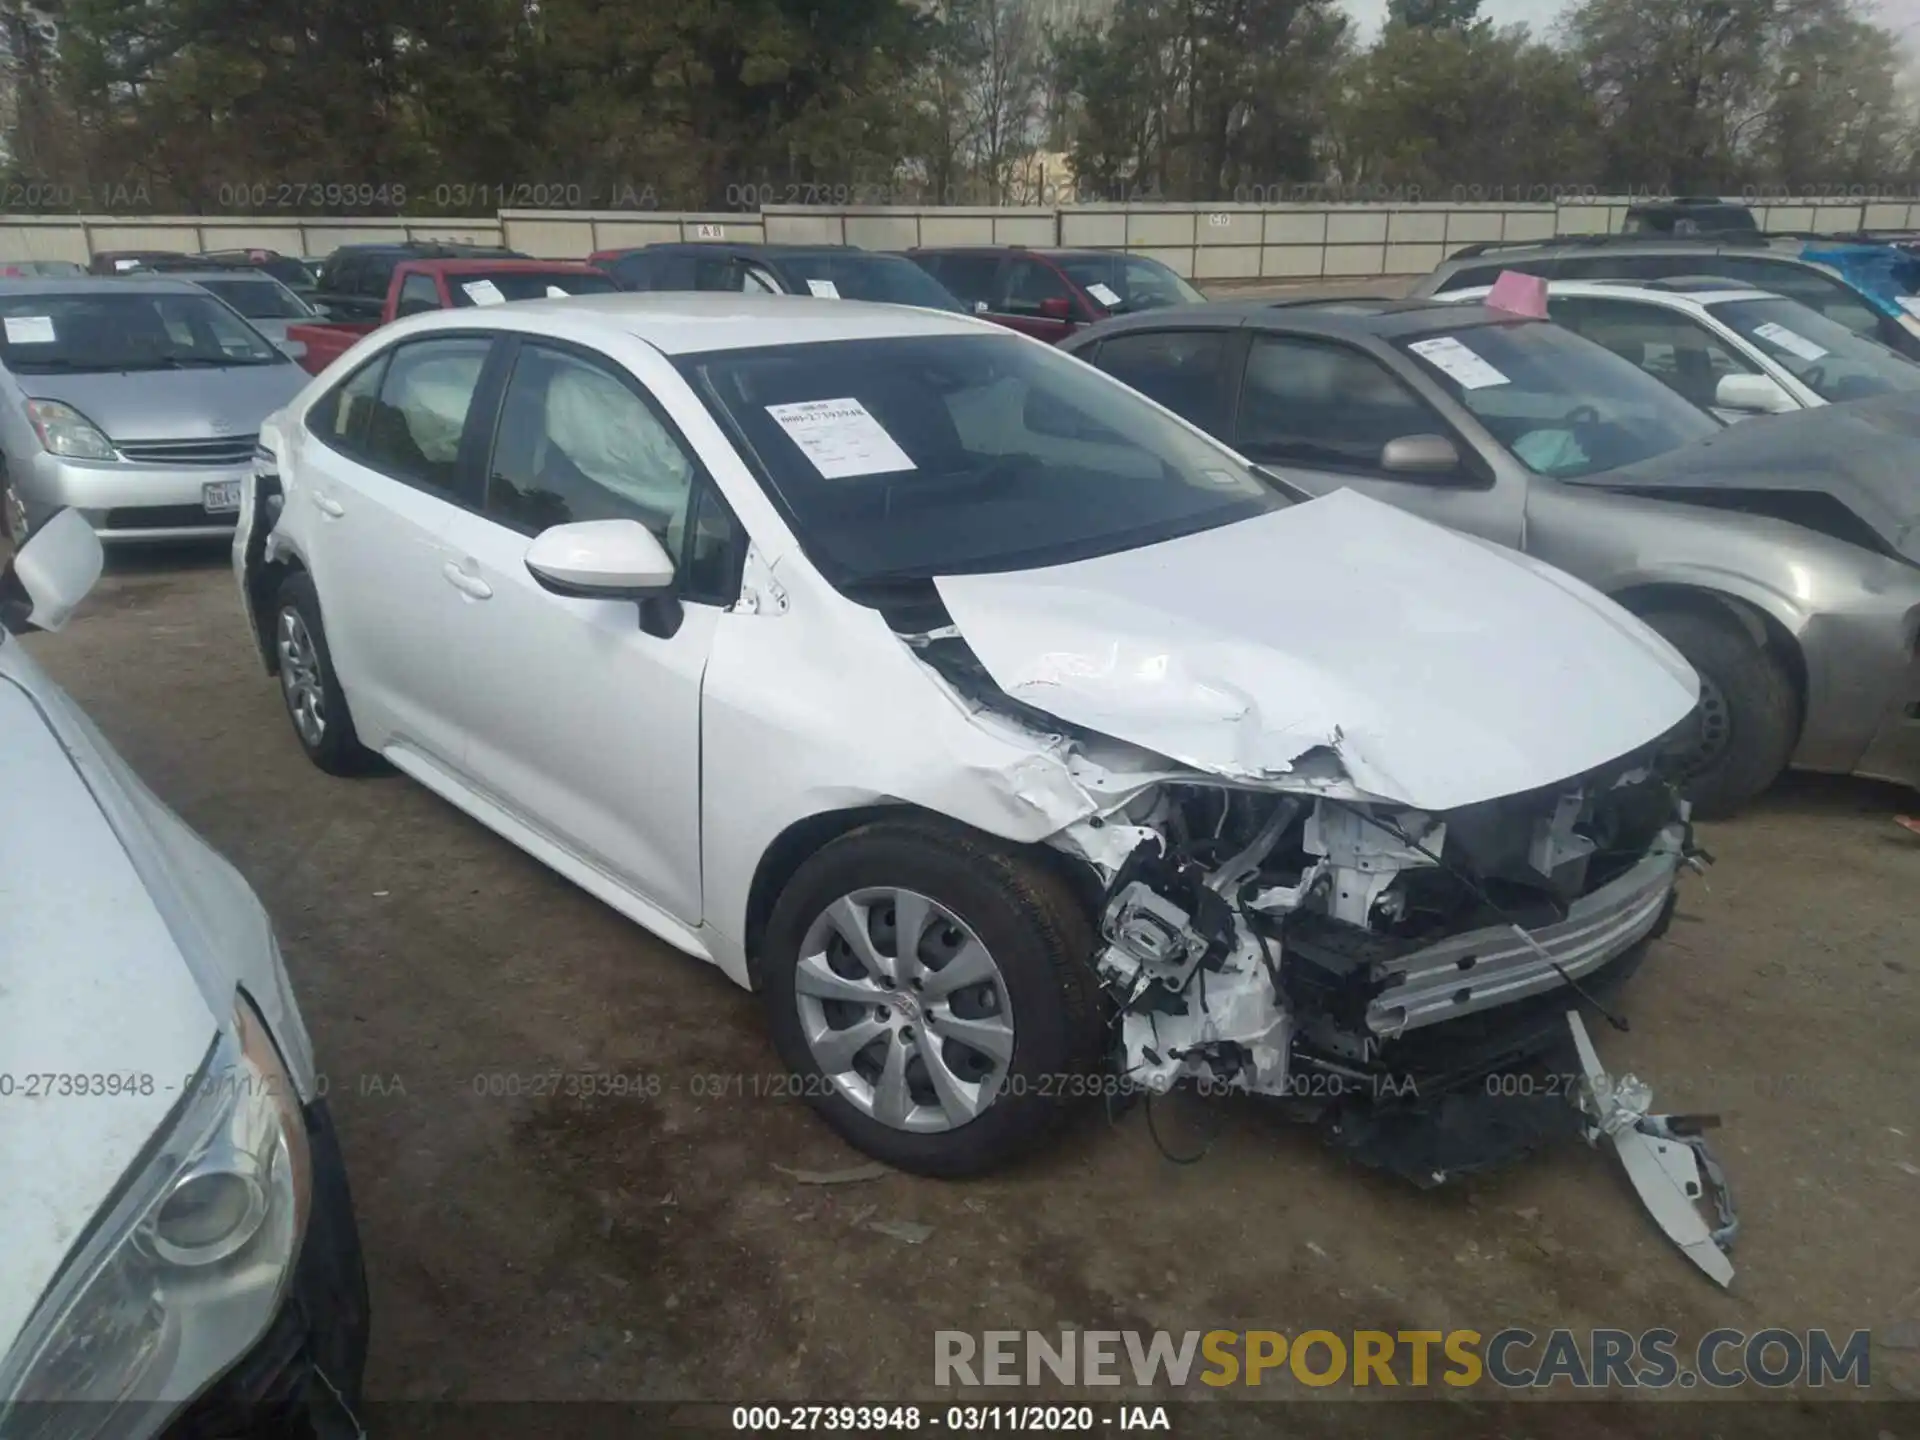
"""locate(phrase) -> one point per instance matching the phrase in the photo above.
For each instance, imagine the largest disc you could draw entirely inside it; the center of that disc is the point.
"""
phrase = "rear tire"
(994, 914)
(1740, 739)
(316, 704)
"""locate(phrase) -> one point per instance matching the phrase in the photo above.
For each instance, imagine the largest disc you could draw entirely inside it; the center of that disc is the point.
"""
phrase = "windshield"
(114, 329)
(259, 299)
(493, 286)
(940, 454)
(888, 279)
(1828, 358)
(1561, 404)
(1132, 282)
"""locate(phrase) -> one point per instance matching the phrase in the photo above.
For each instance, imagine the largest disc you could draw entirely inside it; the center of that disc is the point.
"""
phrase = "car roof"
(95, 284)
(1334, 318)
(745, 249)
(471, 265)
(244, 274)
(685, 322)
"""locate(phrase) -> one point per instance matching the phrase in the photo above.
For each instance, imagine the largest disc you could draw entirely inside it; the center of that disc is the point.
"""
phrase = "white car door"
(380, 472)
(581, 720)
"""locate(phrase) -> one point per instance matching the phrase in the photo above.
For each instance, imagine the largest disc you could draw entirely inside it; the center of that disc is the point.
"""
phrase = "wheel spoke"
(813, 976)
(835, 1049)
(970, 965)
(891, 1100)
(991, 1037)
(911, 913)
(850, 919)
(960, 1100)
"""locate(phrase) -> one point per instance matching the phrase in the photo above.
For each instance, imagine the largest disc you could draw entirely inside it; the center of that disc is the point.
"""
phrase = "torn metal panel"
(1439, 670)
(1671, 1169)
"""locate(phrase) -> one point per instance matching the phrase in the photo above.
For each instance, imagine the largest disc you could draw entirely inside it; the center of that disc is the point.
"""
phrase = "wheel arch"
(810, 834)
(263, 587)
(1760, 623)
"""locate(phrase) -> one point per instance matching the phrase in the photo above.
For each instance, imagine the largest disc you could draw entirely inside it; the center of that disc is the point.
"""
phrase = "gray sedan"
(262, 301)
(1781, 557)
(137, 405)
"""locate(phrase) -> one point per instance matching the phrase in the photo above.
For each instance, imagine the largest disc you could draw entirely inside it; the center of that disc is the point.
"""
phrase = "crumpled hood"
(1441, 670)
(1865, 454)
(91, 984)
(174, 404)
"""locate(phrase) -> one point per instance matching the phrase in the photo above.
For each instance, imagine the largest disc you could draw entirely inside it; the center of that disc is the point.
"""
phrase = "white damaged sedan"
(1008, 734)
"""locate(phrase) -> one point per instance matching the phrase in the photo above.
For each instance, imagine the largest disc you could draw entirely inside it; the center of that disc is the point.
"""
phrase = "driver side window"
(1307, 402)
(1028, 284)
(578, 442)
(1674, 348)
(418, 293)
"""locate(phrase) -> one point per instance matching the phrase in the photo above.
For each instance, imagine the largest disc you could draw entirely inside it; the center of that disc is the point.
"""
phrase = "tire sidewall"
(1762, 708)
(1052, 1065)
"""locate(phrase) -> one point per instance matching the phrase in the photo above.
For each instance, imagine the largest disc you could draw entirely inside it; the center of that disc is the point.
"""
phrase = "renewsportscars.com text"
(1513, 1358)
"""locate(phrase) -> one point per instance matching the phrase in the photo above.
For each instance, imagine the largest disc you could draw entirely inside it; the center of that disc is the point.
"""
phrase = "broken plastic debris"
(909, 1231)
(835, 1177)
(1671, 1169)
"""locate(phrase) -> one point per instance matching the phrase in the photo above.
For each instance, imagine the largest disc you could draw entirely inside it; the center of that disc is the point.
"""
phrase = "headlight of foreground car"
(185, 1272)
(63, 430)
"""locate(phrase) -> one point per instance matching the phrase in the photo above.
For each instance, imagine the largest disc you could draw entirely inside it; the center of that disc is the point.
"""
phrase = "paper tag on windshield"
(1791, 341)
(29, 329)
(554, 292)
(1457, 362)
(841, 438)
(126, 265)
(1104, 294)
(823, 289)
(483, 292)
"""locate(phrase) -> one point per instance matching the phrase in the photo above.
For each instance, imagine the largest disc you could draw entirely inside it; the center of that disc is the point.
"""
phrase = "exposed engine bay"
(1381, 967)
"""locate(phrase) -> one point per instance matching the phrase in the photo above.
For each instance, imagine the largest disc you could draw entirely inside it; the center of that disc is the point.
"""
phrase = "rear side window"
(631, 272)
(413, 432)
(969, 277)
(340, 416)
(1179, 368)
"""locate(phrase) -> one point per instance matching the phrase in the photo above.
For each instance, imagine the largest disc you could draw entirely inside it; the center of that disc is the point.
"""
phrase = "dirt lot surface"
(523, 1247)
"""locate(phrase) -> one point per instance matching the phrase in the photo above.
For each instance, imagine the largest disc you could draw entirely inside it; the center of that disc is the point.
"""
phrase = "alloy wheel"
(300, 678)
(904, 1009)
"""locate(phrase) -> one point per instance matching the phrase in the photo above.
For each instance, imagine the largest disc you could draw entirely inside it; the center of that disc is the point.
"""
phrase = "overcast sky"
(1541, 14)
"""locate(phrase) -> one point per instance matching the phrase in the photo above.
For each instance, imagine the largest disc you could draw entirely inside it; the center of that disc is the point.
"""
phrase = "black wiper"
(47, 364)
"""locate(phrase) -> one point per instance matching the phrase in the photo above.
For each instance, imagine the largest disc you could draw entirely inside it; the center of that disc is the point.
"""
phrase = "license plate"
(221, 497)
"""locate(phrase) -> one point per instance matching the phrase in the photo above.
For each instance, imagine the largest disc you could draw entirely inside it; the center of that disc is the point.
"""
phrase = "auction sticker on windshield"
(29, 329)
(823, 289)
(1454, 360)
(1791, 341)
(1104, 294)
(841, 438)
(483, 292)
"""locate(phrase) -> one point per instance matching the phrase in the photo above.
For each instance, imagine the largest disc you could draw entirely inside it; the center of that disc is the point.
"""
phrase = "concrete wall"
(1208, 243)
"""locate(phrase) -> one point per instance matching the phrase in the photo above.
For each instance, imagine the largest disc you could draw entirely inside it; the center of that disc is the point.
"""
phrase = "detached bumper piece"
(1665, 1157)
(302, 1380)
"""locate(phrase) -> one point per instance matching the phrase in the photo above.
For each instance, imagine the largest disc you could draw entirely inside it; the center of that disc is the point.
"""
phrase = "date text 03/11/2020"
(955, 1419)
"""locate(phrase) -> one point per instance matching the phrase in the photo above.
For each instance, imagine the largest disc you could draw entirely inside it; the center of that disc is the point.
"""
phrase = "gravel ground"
(635, 1248)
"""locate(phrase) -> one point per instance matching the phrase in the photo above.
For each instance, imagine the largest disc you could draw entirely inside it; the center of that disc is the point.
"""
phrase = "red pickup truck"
(420, 285)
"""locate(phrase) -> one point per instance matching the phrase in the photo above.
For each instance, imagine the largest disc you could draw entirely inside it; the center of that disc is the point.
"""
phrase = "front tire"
(1741, 737)
(316, 704)
(955, 1052)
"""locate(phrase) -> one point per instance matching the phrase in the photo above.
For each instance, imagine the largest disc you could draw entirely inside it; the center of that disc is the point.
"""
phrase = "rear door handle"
(466, 584)
(327, 505)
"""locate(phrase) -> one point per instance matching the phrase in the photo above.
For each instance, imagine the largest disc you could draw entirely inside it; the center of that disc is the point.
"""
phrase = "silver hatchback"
(136, 405)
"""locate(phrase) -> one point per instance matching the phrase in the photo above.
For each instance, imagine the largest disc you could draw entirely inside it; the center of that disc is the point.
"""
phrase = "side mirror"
(1420, 455)
(608, 560)
(1056, 307)
(51, 574)
(1752, 395)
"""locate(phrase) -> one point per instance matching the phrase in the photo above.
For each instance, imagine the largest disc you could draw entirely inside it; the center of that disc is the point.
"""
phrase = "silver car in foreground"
(1781, 556)
(137, 405)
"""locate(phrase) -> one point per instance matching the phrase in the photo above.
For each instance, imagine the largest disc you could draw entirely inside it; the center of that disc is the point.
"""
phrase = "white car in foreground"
(177, 1245)
(1730, 349)
(1007, 733)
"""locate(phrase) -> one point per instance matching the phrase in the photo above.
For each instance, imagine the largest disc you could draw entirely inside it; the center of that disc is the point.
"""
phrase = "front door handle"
(466, 584)
(327, 505)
